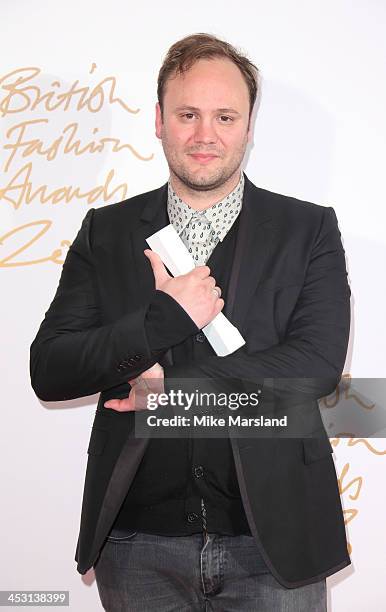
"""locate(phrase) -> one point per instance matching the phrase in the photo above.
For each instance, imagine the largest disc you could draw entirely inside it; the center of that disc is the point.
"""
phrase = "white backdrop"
(319, 136)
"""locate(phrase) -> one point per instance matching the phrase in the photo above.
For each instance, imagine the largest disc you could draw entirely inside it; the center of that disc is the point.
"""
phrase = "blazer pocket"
(315, 449)
(97, 442)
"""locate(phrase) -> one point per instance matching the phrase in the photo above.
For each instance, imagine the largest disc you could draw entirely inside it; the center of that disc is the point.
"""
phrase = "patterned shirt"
(201, 230)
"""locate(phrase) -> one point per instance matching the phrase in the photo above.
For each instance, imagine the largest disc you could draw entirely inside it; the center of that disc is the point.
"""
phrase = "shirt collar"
(183, 213)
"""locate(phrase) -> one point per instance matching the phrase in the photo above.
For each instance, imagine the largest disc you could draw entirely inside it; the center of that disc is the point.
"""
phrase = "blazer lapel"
(153, 218)
(254, 241)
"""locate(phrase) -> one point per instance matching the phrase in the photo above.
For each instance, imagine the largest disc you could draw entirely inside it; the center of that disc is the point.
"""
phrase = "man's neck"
(201, 200)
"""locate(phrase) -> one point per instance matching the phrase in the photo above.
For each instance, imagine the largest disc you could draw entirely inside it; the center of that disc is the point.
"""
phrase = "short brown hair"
(187, 51)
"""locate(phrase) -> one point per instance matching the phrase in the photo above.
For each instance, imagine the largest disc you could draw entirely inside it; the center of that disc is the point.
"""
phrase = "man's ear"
(158, 120)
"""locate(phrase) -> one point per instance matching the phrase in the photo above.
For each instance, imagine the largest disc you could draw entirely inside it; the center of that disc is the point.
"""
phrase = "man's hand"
(150, 381)
(194, 291)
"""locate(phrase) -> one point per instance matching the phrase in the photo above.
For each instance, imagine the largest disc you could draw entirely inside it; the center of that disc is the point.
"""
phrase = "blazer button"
(192, 517)
(200, 337)
(198, 471)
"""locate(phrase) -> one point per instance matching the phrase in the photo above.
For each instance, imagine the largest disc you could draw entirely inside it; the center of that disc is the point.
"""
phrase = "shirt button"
(198, 471)
(200, 337)
(192, 517)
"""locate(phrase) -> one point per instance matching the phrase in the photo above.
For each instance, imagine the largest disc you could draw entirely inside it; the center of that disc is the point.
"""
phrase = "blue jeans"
(141, 572)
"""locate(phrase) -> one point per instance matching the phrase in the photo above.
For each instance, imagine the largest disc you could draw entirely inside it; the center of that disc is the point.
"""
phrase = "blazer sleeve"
(74, 355)
(311, 358)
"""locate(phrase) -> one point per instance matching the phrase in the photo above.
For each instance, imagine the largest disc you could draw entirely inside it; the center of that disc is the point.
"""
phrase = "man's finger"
(124, 405)
(136, 400)
(160, 273)
(201, 271)
(121, 405)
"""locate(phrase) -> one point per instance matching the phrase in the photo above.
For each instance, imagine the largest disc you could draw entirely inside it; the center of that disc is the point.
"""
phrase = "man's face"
(204, 128)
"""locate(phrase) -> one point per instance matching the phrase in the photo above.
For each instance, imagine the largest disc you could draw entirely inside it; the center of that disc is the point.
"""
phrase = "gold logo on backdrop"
(350, 487)
(22, 93)
(67, 143)
(332, 400)
(42, 227)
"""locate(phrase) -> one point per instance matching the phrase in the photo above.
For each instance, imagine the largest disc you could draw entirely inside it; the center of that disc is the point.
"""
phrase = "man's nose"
(205, 132)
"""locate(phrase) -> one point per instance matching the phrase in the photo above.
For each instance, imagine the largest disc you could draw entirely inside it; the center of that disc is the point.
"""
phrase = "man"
(187, 523)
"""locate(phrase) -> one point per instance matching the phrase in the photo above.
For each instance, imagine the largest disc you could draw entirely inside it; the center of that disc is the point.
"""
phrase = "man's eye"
(188, 115)
(225, 119)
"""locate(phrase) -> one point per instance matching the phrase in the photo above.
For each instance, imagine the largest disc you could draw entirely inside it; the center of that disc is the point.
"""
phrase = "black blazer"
(288, 295)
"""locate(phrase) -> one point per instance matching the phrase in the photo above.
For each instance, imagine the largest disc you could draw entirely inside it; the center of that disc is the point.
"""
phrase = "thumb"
(160, 273)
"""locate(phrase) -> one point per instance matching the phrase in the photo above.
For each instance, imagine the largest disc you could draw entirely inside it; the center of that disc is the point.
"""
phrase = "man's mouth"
(203, 157)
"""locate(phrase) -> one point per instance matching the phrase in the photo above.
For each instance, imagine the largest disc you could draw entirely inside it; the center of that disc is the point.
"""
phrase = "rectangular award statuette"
(224, 337)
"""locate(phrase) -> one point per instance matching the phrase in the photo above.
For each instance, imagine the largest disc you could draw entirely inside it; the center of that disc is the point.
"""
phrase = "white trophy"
(224, 337)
